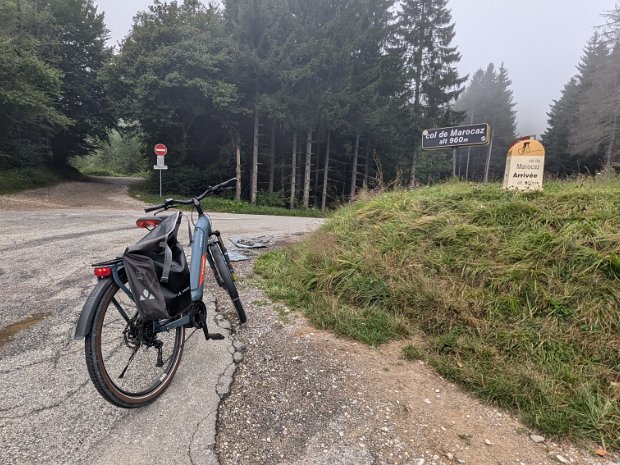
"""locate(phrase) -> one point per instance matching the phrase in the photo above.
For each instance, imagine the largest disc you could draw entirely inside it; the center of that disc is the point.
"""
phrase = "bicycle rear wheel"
(128, 362)
(225, 279)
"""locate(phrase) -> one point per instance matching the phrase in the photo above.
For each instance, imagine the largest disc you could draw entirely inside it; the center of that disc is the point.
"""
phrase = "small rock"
(488, 443)
(536, 438)
(428, 401)
(601, 452)
(561, 459)
(450, 456)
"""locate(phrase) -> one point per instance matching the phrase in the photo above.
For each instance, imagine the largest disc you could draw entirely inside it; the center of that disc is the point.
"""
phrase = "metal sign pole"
(454, 162)
(160, 183)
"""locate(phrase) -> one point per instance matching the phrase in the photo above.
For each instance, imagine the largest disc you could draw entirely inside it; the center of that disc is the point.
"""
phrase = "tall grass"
(518, 294)
(226, 205)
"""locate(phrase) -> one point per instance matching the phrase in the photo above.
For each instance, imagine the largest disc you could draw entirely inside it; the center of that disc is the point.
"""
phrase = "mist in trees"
(487, 99)
(306, 102)
(583, 133)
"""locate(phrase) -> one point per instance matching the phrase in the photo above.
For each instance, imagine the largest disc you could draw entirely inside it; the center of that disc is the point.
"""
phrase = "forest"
(306, 103)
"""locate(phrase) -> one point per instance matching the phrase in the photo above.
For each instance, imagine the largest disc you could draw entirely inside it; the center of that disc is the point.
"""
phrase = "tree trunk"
(610, 149)
(306, 198)
(454, 149)
(354, 167)
(293, 169)
(272, 159)
(237, 144)
(317, 171)
(326, 172)
(414, 162)
(430, 172)
(254, 186)
(366, 163)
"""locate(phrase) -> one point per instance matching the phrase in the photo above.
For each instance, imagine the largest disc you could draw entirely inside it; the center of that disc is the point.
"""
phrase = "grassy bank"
(516, 295)
(19, 179)
(226, 205)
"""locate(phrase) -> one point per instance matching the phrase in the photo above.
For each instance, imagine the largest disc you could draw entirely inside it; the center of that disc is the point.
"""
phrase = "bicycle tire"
(102, 350)
(226, 280)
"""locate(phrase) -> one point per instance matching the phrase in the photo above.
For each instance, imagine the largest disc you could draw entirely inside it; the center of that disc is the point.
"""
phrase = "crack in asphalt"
(38, 362)
(60, 353)
(196, 428)
(38, 410)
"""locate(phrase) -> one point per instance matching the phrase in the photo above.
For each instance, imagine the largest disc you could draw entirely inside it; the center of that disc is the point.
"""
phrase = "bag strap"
(167, 262)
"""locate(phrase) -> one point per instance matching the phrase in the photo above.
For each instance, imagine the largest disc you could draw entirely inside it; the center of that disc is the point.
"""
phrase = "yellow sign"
(525, 165)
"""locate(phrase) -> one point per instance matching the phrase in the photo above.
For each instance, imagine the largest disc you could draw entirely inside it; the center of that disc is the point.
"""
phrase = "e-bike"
(131, 359)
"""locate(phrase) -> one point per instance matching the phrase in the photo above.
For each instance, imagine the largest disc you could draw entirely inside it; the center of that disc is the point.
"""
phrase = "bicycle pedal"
(216, 336)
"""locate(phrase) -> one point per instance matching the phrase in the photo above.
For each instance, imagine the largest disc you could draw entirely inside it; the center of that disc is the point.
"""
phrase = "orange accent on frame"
(202, 270)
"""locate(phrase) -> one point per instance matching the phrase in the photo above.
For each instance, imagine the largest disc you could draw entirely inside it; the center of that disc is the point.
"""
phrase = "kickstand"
(205, 330)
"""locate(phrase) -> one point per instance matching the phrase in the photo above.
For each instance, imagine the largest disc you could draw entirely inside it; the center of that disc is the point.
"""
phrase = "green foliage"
(121, 155)
(29, 90)
(51, 102)
(517, 293)
(18, 179)
(412, 353)
(220, 203)
(274, 199)
(172, 78)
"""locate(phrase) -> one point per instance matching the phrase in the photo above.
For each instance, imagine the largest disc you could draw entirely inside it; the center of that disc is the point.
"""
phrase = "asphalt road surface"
(49, 410)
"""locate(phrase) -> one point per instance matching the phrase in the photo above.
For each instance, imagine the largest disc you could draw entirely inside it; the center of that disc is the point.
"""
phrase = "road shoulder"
(304, 396)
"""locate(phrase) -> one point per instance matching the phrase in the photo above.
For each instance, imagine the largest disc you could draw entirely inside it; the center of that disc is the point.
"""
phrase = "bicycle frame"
(197, 267)
(197, 270)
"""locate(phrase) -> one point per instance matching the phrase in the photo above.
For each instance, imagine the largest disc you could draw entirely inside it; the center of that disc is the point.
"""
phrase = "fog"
(539, 41)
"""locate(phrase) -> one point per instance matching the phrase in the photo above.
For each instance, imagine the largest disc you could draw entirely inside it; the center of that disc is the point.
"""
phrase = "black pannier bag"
(158, 273)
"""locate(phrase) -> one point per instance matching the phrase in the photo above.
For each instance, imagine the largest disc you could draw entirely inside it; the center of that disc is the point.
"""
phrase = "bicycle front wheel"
(225, 279)
(129, 363)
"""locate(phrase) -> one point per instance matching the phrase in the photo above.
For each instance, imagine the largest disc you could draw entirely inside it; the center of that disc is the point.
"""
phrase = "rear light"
(103, 271)
(147, 223)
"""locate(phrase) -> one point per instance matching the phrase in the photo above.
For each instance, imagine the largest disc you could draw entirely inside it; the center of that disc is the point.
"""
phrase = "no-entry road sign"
(160, 150)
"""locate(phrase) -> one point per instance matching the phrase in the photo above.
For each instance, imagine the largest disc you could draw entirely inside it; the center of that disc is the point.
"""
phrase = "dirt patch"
(304, 396)
(108, 193)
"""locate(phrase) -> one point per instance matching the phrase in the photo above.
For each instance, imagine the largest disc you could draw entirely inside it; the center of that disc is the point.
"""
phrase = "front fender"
(88, 311)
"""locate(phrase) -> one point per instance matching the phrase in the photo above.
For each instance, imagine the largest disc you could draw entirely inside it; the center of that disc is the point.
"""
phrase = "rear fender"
(90, 306)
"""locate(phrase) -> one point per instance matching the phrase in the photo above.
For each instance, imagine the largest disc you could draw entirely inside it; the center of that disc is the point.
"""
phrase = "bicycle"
(525, 148)
(132, 360)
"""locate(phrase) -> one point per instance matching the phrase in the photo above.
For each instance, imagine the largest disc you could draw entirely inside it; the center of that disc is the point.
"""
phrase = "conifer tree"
(597, 125)
(568, 148)
(488, 99)
(425, 34)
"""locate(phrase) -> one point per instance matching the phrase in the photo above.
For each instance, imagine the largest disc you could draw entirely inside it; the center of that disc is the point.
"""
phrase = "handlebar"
(213, 190)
